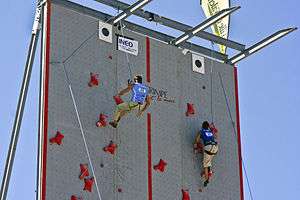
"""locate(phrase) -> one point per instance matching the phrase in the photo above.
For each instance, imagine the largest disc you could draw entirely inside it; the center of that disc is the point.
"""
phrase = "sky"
(268, 90)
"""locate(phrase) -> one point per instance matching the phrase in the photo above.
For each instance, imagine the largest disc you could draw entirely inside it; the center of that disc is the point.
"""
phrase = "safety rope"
(126, 53)
(81, 130)
(232, 122)
(211, 83)
(79, 47)
(84, 42)
(116, 161)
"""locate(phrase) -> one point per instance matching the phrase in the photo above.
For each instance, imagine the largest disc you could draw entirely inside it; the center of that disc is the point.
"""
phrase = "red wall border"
(148, 60)
(148, 79)
(149, 156)
(238, 132)
(46, 95)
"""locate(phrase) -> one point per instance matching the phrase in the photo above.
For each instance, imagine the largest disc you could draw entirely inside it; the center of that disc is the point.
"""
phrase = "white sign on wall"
(128, 45)
(198, 63)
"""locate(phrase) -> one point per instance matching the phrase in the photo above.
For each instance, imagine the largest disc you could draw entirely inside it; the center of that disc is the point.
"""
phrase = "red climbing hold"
(88, 184)
(73, 197)
(111, 148)
(185, 195)
(110, 57)
(120, 190)
(213, 128)
(118, 99)
(94, 79)
(57, 139)
(102, 121)
(198, 148)
(84, 171)
(161, 166)
(190, 109)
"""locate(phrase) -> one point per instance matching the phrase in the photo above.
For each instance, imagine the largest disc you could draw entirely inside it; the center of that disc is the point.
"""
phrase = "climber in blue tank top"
(210, 149)
(207, 136)
(139, 93)
(140, 100)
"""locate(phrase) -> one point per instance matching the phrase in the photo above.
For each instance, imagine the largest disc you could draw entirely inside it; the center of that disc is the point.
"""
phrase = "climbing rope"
(116, 161)
(84, 42)
(211, 83)
(232, 122)
(126, 53)
(81, 130)
(80, 46)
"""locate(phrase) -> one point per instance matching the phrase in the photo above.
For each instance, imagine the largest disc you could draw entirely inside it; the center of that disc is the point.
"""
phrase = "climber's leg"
(121, 110)
(208, 154)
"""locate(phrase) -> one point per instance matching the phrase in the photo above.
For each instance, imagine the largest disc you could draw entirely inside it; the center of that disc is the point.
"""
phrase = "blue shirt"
(139, 93)
(207, 136)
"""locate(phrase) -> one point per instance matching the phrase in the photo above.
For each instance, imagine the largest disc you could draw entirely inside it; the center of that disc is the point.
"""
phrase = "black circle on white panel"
(198, 63)
(105, 32)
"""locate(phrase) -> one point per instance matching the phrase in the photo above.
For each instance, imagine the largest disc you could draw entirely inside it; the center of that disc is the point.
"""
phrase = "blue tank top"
(139, 93)
(207, 136)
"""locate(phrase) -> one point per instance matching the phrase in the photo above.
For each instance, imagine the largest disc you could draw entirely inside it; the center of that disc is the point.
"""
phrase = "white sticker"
(128, 45)
(198, 63)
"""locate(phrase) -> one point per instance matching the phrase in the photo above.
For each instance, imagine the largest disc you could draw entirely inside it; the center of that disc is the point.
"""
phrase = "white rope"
(82, 133)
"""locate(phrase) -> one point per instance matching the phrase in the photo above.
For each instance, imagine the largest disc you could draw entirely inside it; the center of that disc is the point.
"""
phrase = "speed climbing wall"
(150, 157)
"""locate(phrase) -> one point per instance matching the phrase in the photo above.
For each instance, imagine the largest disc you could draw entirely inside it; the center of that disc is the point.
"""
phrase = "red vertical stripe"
(149, 123)
(149, 156)
(238, 132)
(148, 59)
(45, 134)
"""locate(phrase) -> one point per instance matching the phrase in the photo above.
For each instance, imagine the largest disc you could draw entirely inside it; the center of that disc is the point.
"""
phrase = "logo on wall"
(160, 95)
(127, 45)
(198, 63)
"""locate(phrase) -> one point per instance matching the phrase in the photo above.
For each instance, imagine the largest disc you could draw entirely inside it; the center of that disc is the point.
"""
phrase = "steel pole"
(21, 105)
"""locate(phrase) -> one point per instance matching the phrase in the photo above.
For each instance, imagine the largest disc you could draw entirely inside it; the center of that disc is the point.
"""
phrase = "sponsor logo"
(128, 45)
(160, 95)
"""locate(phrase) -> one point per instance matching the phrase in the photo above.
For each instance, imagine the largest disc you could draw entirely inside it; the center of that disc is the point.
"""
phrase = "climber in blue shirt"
(209, 140)
(140, 100)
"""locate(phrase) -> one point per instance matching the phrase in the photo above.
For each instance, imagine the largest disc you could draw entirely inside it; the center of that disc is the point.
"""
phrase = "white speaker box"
(198, 64)
(105, 32)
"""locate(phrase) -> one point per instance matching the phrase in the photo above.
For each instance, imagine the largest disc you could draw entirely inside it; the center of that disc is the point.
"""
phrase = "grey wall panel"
(165, 132)
(172, 132)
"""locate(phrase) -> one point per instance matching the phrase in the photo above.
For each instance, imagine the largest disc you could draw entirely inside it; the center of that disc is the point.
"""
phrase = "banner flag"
(220, 28)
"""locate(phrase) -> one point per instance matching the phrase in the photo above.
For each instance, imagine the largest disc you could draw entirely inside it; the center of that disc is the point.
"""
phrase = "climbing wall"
(150, 157)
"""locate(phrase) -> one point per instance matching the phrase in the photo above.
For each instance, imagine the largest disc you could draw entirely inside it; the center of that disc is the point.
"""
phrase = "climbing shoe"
(206, 183)
(113, 124)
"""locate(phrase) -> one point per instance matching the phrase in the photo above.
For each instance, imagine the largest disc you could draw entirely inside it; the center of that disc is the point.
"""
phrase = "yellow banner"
(220, 28)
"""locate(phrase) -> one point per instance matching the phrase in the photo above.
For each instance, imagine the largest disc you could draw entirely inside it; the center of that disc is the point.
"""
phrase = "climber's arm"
(126, 90)
(148, 103)
(198, 138)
